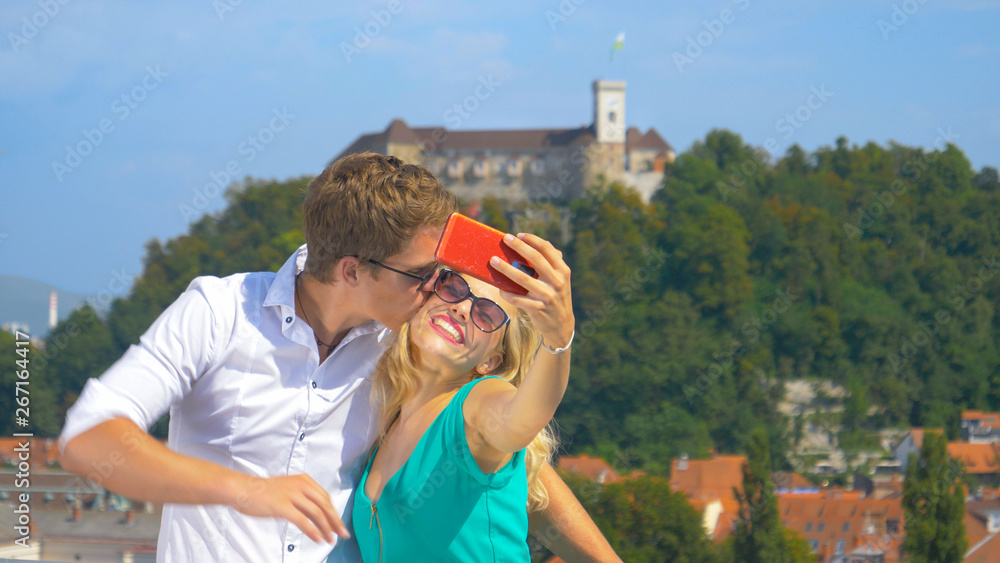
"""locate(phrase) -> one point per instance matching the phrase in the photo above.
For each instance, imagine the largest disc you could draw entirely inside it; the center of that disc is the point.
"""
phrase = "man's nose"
(428, 286)
(422, 297)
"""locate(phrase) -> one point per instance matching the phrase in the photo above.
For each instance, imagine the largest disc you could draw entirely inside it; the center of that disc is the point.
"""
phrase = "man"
(265, 376)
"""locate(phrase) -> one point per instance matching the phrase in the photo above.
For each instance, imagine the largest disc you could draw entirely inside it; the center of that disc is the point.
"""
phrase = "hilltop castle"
(519, 164)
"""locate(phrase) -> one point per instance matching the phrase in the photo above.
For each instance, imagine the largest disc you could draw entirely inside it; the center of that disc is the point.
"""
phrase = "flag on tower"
(619, 44)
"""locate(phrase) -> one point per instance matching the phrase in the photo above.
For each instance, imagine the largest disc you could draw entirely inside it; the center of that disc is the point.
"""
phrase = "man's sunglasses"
(486, 314)
(424, 278)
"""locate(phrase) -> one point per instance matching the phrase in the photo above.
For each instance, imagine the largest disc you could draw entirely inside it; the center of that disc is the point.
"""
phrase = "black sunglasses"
(486, 314)
(423, 278)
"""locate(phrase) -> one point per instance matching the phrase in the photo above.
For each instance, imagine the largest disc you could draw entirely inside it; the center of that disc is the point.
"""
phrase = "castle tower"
(609, 111)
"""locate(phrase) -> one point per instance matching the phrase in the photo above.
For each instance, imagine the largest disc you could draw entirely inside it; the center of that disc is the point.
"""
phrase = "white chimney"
(682, 463)
(993, 522)
(53, 310)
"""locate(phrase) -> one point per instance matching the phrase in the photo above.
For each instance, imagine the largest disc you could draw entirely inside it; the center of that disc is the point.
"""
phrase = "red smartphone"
(467, 246)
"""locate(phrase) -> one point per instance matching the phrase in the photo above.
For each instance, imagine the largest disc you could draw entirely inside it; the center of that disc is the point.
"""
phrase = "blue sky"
(179, 88)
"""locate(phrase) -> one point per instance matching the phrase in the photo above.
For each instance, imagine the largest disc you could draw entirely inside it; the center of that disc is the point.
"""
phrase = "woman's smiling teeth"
(444, 324)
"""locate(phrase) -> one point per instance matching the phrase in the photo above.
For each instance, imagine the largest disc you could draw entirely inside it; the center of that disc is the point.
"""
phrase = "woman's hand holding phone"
(549, 300)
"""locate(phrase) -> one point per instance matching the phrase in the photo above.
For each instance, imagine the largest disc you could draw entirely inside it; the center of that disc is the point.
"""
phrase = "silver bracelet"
(564, 348)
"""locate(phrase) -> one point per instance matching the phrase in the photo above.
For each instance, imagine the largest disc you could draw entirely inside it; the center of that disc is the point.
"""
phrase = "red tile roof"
(979, 459)
(43, 452)
(990, 419)
(918, 434)
(593, 468)
(705, 480)
(984, 547)
(986, 550)
(835, 516)
(791, 480)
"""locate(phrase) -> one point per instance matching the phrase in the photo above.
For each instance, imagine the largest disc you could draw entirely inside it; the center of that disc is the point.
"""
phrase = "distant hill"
(26, 301)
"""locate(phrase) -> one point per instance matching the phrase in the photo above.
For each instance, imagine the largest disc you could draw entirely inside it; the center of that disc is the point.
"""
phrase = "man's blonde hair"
(369, 205)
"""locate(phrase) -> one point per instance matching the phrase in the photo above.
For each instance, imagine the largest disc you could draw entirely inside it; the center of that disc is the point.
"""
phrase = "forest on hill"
(872, 267)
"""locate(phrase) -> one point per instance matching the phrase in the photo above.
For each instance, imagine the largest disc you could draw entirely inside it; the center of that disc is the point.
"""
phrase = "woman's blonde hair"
(395, 377)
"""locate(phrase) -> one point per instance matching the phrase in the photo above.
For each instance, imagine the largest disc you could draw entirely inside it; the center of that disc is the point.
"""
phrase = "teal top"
(440, 506)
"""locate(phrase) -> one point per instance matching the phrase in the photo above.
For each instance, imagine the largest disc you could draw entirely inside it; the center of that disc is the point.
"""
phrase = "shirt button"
(314, 384)
(291, 548)
(288, 320)
(302, 436)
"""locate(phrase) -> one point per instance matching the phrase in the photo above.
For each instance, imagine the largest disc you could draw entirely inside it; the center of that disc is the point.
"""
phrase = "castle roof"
(435, 139)
(635, 140)
(440, 139)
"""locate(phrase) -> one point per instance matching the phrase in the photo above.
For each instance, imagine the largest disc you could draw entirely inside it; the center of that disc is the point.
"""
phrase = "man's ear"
(489, 364)
(349, 269)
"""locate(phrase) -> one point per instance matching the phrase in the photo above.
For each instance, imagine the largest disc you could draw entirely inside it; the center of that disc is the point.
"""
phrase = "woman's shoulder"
(481, 388)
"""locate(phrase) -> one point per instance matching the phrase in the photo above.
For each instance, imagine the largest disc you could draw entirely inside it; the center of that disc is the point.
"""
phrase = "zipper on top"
(379, 523)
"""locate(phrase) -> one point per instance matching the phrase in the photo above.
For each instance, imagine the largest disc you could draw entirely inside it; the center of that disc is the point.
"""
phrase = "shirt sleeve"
(158, 371)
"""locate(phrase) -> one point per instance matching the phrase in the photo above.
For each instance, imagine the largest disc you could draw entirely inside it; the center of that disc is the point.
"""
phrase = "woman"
(464, 395)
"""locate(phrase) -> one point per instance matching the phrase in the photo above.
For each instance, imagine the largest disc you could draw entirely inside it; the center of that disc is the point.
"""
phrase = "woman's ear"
(489, 364)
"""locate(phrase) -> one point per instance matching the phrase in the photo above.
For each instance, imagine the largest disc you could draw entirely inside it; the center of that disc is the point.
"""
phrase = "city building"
(845, 526)
(552, 164)
(982, 529)
(980, 427)
(909, 444)
(76, 535)
(73, 518)
(42, 452)
(15, 327)
(708, 485)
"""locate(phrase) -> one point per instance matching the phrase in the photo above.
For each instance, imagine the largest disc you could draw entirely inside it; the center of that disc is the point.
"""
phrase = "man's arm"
(103, 437)
(565, 528)
(122, 458)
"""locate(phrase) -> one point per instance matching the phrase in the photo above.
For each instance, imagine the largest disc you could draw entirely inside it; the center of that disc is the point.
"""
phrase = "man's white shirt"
(241, 378)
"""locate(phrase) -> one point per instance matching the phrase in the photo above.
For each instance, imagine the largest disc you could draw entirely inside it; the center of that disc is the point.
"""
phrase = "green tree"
(79, 348)
(644, 521)
(26, 364)
(759, 535)
(934, 505)
(494, 214)
(709, 242)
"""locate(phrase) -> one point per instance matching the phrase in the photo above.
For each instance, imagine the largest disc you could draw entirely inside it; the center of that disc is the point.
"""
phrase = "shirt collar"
(281, 294)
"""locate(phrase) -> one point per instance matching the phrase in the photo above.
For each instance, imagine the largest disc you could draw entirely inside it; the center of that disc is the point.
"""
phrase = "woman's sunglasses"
(486, 315)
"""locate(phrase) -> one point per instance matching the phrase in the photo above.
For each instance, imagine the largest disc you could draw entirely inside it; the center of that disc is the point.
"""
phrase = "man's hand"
(296, 498)
(146, 470)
